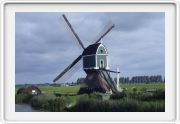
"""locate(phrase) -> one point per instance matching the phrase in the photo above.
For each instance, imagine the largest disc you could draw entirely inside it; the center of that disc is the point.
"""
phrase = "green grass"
(62, 89)
(142, 86)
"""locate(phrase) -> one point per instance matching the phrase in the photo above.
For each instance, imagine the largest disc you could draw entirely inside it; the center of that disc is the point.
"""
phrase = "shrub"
(57, 105)
(95, 95)
(41, 101)
(49, 102)
(148, 96)
(118, 95)
(152, 106)
(70, 100)
(144, 96)
(134, 89)
(159, 94)
(125, 89)
(143, 89)
(83, 105)
(23, 98)
(128, 105)
(83, 97)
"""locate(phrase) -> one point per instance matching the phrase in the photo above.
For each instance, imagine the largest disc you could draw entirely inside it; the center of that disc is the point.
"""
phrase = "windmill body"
(95, 64)
(95, 56)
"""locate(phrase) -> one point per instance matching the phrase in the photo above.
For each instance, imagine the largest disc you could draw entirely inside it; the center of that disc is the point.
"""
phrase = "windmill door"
(101, 63)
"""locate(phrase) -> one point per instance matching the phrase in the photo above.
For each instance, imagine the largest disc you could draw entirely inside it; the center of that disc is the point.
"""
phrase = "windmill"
(95, 64)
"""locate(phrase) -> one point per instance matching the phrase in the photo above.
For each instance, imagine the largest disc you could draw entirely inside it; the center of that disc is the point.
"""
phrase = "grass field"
(142, 86)
(75, 89)
(62, 89)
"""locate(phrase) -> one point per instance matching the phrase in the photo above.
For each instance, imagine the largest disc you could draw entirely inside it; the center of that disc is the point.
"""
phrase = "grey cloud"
(131, 21)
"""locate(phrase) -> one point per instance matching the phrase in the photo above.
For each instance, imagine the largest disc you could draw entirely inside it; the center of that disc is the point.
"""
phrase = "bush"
(152, 106)
(134, 89)
(159, 94)
(143, 96)
(57, 105)
(127, 105)
(95, 95)
(23, 98)
(83, 97)
(41, 101)
(143, 89)
(49, 103)
(148, 96)
(125, 89)
(70, 100)
(118, 95)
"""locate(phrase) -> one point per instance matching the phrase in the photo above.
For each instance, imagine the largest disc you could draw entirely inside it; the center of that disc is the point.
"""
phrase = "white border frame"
(96, 2)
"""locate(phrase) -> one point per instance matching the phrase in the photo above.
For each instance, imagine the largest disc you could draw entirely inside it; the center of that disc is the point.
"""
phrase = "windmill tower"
(95, 64)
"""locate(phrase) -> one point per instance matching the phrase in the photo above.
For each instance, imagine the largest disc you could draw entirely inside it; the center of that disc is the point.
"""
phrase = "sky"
(45, 45)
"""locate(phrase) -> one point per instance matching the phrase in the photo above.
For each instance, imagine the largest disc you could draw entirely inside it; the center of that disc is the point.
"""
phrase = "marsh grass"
(124, 105)
(23, 98)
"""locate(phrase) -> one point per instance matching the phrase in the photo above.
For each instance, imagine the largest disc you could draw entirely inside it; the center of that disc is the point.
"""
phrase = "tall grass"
(148, 96)
(118, 95)
(124, 105)
(41, 101)
(49, 102)
(123, 102)
(23, 98)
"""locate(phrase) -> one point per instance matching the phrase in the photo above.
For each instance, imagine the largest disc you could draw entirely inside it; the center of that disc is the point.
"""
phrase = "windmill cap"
(91, 49)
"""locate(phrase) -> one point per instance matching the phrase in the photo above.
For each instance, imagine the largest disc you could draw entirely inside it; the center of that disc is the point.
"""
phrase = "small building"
(29, 90)
(95, 56)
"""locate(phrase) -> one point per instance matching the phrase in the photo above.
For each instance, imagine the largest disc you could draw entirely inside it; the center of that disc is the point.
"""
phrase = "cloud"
(44, 46)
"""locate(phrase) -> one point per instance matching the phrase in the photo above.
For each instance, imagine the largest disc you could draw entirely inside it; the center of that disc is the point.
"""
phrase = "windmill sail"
(69, 33)
(69, 74)
(75, 34)
(68, 68)
(104, 33)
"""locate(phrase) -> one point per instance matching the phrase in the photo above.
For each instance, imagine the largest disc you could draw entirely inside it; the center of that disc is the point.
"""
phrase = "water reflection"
(24, 108)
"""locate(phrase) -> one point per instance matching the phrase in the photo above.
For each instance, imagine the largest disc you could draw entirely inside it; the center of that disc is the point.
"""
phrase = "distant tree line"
(142, 79)
(135, 79)
(80, 80)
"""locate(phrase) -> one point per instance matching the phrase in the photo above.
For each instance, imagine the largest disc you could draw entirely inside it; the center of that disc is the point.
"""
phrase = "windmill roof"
(91, 49)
